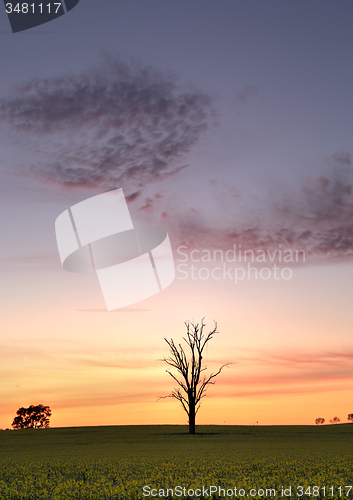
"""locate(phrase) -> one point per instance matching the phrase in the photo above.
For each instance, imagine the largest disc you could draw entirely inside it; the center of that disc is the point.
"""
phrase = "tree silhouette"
(319, 421)
(350, 417)
(191, 387)
(32, 417)
(335, 420)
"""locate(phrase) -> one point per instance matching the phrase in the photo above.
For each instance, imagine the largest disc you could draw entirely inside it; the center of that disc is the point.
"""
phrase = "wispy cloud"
(118, 124)
(315, 218)
(40, 262)
(282, 373)
(123, 124)
(108, 378)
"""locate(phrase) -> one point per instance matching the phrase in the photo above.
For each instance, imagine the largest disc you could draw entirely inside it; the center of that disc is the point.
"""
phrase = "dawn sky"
(230, 125)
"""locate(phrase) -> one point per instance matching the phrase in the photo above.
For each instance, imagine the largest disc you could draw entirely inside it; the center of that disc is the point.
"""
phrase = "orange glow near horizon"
(97, 368)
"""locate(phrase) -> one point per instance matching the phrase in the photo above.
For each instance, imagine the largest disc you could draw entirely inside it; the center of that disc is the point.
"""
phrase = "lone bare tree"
(191, 386)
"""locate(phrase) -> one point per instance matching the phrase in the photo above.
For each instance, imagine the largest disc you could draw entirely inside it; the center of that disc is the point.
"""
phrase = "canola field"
(137, 462)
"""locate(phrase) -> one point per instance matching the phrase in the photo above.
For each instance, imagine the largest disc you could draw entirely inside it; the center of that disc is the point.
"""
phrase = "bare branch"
(207, 381)
(191, 389)
(182, 385)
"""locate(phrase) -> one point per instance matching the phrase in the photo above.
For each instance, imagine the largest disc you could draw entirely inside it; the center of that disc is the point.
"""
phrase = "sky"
(230, 125)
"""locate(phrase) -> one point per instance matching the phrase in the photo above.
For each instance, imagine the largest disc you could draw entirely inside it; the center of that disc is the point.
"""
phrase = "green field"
(117, 462)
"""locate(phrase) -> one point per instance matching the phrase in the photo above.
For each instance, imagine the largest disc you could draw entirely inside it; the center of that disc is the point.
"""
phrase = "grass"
(115, 462)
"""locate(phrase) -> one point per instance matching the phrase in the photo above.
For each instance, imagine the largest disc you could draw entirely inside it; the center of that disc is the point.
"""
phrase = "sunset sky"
(230, 125)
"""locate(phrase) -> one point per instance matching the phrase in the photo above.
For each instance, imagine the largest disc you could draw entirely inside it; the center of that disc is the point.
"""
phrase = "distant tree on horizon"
(350, 417)
(319, 421)
(33, 417)
(191, 387)
(335, 420)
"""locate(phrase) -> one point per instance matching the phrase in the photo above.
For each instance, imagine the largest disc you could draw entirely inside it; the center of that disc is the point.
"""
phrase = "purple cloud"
(121, 123)
(316, 218)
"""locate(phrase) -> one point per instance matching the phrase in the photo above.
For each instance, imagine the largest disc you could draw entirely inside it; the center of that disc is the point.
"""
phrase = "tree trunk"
(192, 417)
